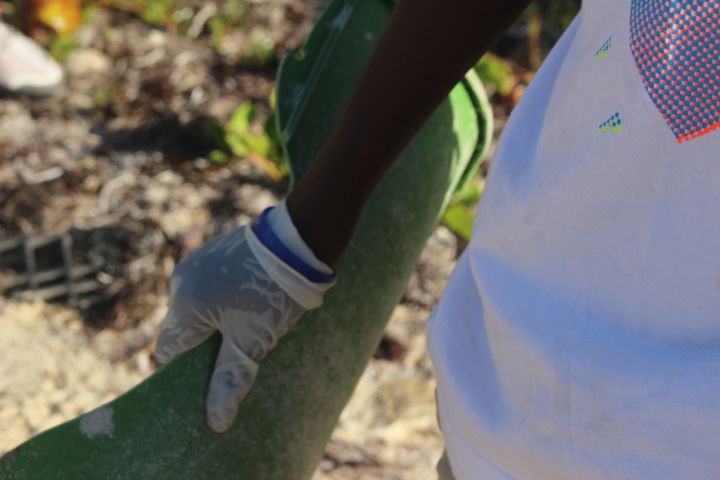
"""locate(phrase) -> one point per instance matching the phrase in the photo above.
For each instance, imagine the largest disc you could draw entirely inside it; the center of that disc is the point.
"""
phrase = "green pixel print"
(603, 51)
(611, 125)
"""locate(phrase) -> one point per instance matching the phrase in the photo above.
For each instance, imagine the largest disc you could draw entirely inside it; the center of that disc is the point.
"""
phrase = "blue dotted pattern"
(612, 124)
(676, 47)
(604, 50)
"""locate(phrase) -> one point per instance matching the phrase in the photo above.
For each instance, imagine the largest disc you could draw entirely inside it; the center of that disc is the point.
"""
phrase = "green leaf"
(217, 29)
(245, 136)
(218, 156)
(459, 219)
(239, 123)
(470, 193)
(238, 146)
(62, 47)
(216, 132)
(496, 72)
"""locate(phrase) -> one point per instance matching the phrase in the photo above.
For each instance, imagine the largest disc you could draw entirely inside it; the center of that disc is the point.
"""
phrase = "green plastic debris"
(157, 430)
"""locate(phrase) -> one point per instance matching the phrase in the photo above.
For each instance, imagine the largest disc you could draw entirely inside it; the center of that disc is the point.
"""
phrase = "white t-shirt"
(579, 336)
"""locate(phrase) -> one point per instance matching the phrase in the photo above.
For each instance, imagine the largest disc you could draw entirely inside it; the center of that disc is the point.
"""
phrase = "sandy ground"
(50, 371)
(127, 132)
(54, 369)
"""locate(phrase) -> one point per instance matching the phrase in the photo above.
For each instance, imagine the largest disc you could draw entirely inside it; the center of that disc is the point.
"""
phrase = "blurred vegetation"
(250, 133)
(505, 72)
(459, 214)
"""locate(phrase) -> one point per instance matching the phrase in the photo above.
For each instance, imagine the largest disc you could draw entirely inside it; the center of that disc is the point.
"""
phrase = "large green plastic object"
(157, 430)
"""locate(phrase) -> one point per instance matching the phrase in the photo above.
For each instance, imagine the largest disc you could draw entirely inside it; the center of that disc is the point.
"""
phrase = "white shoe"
(25, 67)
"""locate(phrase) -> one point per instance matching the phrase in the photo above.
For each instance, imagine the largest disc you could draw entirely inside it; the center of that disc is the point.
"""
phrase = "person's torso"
(579, 336)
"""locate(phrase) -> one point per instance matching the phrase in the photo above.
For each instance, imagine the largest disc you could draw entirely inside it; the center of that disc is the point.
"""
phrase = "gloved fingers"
(234, 374)
(177, 337)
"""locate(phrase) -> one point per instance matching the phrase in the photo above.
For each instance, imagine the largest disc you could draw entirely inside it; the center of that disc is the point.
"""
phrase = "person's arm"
(255, 282)
(425, 49)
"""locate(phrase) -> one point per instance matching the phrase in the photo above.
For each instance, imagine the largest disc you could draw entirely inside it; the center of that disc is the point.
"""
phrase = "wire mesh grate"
(44, 267)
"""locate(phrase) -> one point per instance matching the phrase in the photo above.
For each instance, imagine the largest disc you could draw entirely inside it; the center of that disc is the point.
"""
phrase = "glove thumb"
(234, 374)
(177, 337)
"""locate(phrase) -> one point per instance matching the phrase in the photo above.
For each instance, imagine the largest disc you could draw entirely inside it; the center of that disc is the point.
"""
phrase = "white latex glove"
(242, 284)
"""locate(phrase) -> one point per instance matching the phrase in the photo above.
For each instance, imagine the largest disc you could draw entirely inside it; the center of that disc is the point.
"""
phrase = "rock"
(87, 61)
(16, 125)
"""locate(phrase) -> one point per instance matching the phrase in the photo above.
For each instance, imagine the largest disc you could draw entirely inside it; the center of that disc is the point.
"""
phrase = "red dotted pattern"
(676, 46)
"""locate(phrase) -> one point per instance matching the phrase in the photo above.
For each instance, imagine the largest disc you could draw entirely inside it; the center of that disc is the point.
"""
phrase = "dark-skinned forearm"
(425, 49)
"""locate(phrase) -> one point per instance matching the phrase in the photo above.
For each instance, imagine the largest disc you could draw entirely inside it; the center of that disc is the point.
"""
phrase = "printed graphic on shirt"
(676, 47)
(603, 51)
(611, 125)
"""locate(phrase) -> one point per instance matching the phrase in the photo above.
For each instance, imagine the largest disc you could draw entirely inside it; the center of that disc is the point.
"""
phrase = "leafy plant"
(460, 213)
(232, 15)
(62, 46)
(260, 51)
(102, 97)
(158, 11)
(169, 14)
(558, 13)
(496, 73)
(247, 136)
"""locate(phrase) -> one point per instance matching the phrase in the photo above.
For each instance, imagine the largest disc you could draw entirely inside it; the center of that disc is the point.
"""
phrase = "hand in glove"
(252, 287)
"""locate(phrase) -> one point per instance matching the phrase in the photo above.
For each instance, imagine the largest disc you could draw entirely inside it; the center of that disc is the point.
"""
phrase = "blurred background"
(155, 134)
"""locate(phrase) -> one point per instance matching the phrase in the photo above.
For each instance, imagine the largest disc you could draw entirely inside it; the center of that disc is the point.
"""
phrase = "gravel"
(122, 152)
(56, 368)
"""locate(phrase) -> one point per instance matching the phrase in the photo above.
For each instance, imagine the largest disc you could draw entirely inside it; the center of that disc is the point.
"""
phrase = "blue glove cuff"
(261, 229)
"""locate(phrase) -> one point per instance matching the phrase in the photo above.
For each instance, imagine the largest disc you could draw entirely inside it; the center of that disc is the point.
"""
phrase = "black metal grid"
(43, 267)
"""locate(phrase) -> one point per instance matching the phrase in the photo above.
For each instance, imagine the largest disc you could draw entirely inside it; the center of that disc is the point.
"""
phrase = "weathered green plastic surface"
(157, 430)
